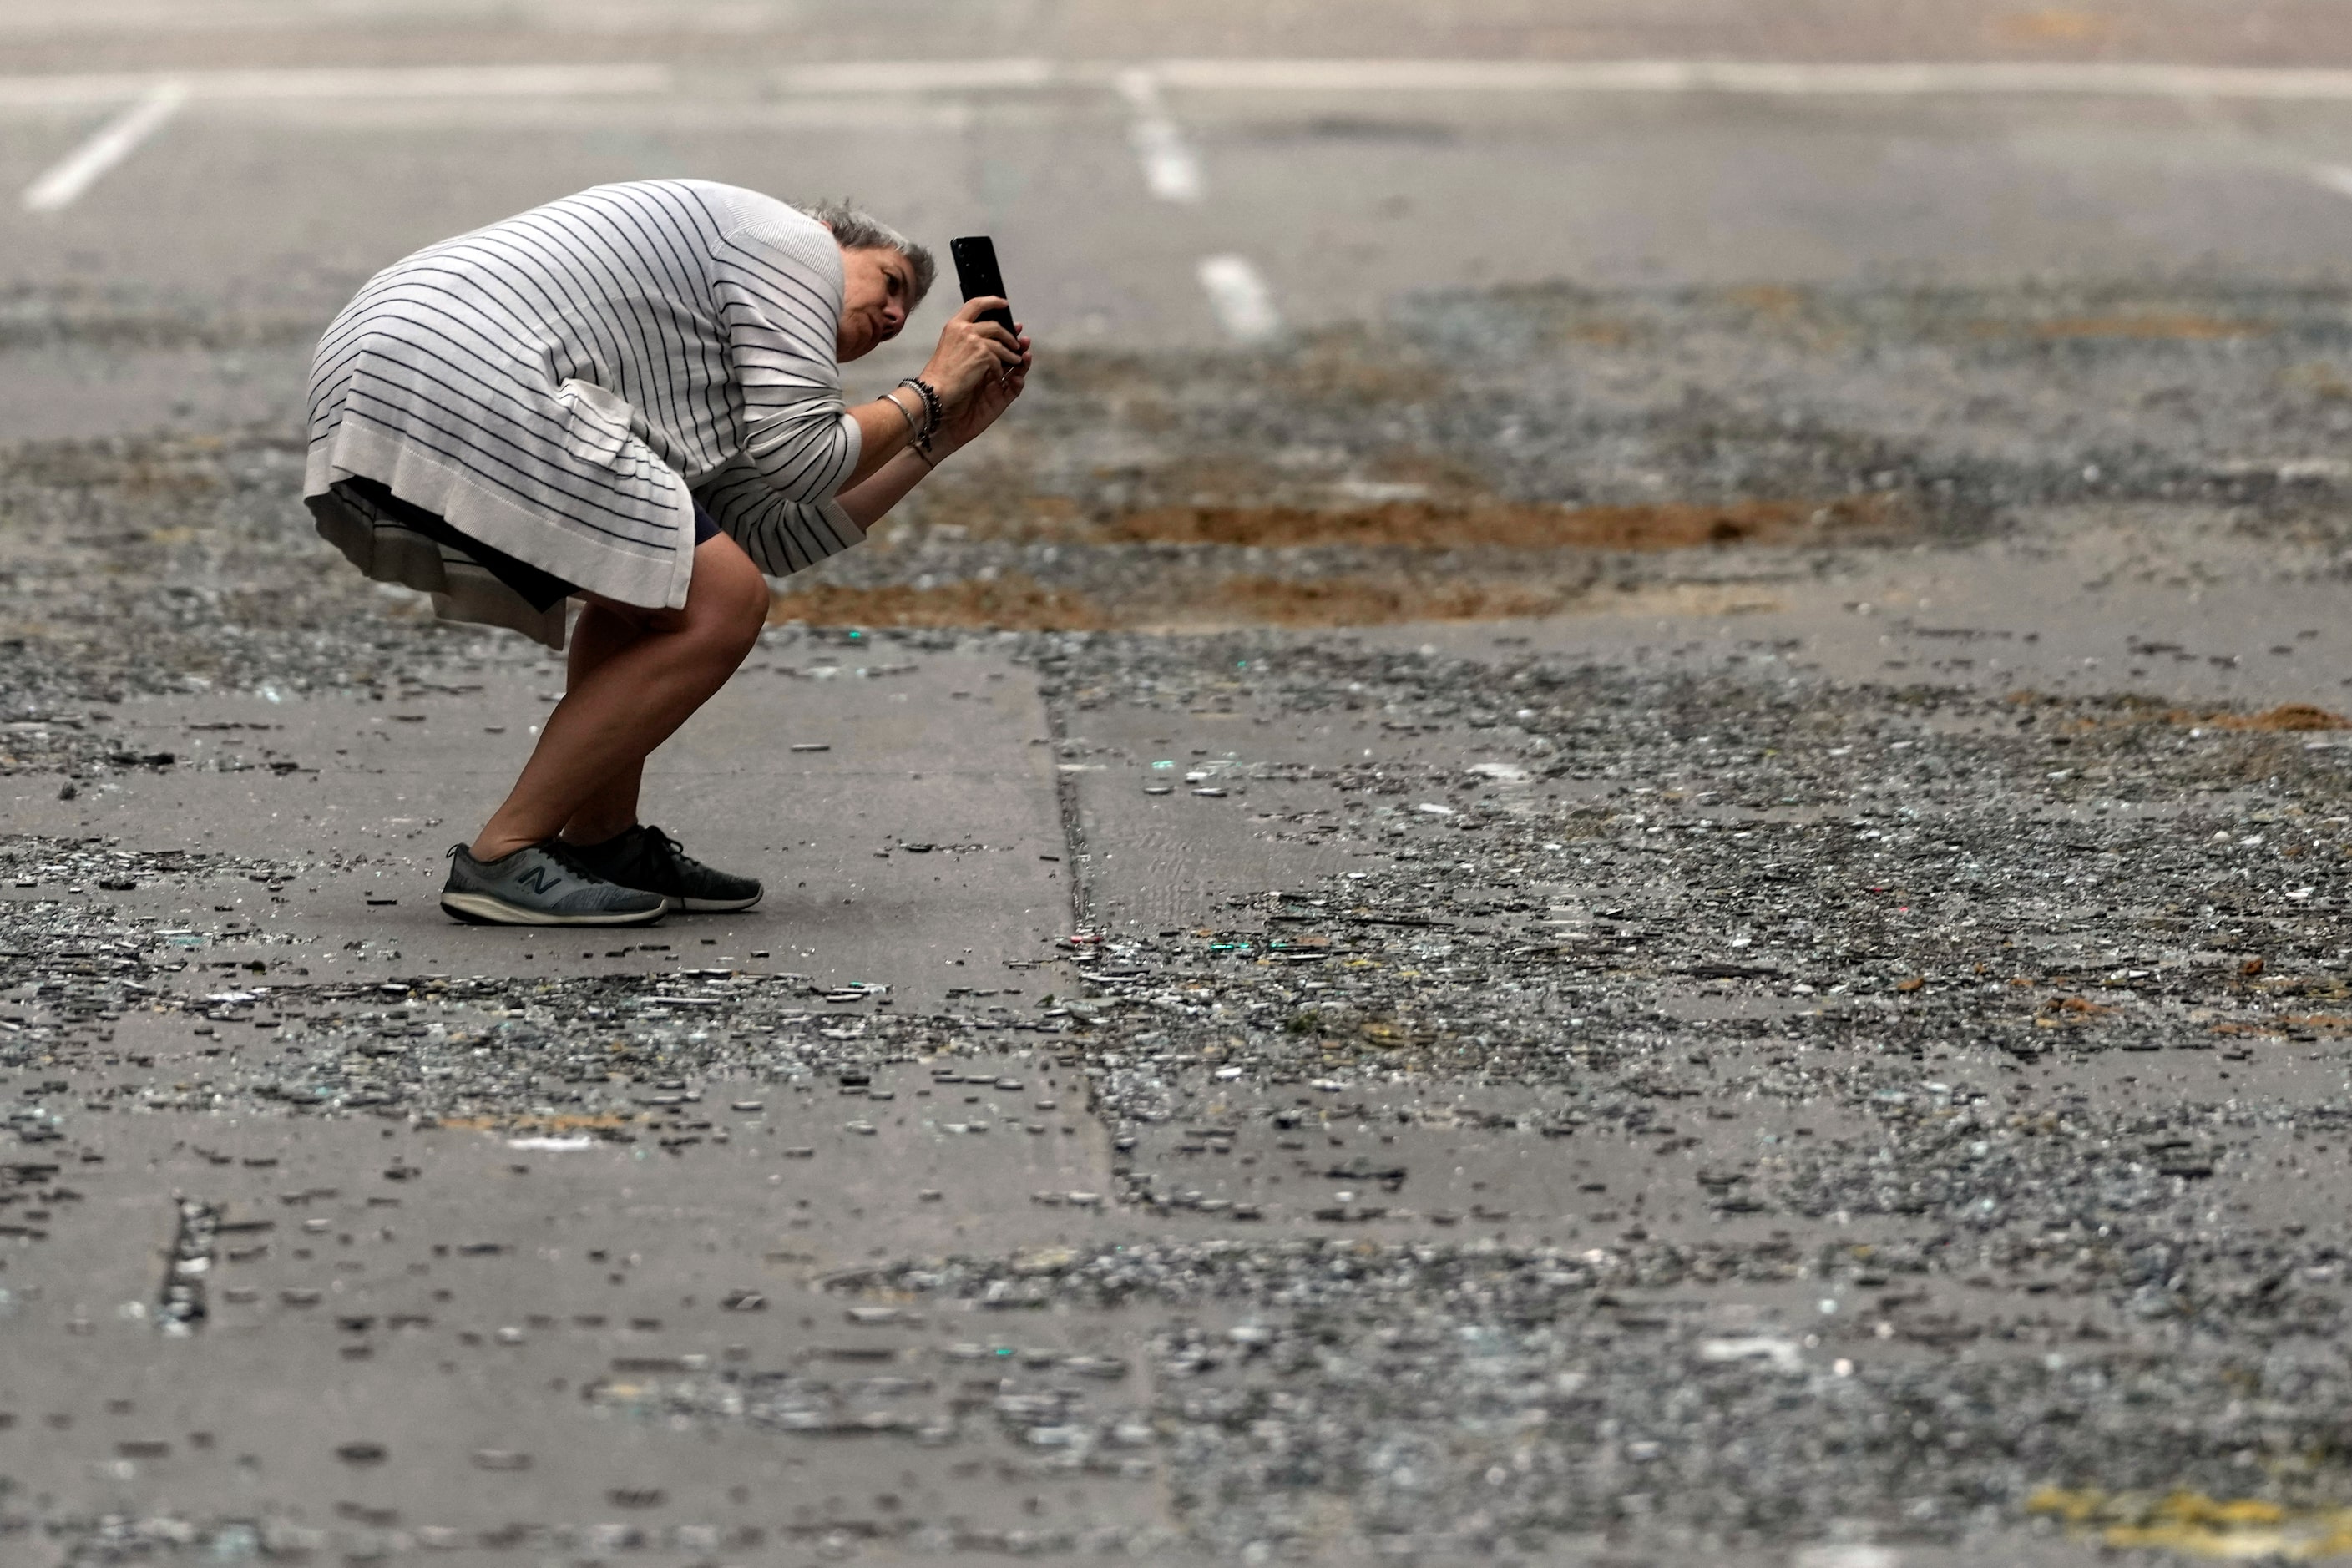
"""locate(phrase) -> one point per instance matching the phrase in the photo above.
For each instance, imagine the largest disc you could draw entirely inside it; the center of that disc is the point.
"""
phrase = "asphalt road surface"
(1614, 834)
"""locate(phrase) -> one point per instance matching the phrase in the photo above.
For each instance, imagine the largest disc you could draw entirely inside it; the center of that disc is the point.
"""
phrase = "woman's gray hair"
(855, 229)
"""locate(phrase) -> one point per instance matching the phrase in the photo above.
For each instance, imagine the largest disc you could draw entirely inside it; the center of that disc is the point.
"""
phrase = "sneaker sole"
(709, 906)
(482, 910)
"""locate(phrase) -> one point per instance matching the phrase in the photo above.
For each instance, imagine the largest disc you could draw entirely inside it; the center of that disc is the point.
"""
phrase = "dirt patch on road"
(1409, 514)
(1364, 601)
(1438, 525)
(1021, 604)
(2156, 326)
(1013, 559)
(2287, 718)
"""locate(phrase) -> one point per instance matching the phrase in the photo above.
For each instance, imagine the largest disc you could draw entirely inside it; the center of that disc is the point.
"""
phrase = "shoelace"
(662, 846)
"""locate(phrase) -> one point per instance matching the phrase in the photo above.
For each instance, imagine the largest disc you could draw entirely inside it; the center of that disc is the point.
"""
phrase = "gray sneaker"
(540, 885)
(646, 858)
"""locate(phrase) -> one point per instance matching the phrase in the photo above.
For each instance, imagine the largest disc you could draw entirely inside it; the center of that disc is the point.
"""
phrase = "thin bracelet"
(891, 397)
(934, 415)
(931, 405)
(929, 461)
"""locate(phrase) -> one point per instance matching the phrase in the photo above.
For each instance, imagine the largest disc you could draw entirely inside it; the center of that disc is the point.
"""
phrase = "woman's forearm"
(865, 503)
(886, 427)
(876, 487)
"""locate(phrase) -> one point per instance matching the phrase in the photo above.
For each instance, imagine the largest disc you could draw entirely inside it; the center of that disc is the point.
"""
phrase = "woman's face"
(876, 287)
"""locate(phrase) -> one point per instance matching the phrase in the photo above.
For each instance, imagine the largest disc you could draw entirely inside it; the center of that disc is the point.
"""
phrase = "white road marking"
(671, 112)
(115, 18)
(2088, 78)
(2336, 177)
(918, 76)
(115, 141)
(1243, 304)
(2085, 79)
(1170, 169)
(428, 81)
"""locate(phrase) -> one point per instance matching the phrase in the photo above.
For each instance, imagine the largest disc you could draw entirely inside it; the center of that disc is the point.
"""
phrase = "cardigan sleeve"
(780, 291)
(782, 536)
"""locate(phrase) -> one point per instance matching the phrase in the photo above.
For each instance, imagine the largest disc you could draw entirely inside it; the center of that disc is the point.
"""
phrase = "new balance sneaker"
(647, 859)
(542, 885)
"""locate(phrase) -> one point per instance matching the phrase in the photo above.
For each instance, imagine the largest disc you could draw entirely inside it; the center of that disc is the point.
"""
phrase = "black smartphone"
(975, 264)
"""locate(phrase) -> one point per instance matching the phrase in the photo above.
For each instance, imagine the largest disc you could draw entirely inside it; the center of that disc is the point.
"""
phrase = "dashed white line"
(115, 141)
(1238, 294)
(1169, 170)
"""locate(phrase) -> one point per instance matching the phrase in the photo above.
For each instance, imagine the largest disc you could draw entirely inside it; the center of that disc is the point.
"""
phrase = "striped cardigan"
(565, 386)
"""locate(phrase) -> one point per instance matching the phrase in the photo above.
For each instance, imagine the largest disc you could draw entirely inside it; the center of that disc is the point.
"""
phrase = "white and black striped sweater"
(564, 384)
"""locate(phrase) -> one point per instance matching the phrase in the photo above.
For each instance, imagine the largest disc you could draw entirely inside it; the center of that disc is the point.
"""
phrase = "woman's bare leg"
(634, 700)
(599, 634)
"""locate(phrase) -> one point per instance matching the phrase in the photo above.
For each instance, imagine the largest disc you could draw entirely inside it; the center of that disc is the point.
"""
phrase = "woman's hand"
(875, 492)
(986, 404)
(972, 353)
(975, 372)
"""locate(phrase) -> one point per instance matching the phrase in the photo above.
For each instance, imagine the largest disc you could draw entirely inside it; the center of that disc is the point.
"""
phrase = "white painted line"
(1243, 304)
(927, 117)
(918, 76)
(431, 81)
(853, 77)
(1170, 169)
(146, 18)
(1891, 79)
(115, 141)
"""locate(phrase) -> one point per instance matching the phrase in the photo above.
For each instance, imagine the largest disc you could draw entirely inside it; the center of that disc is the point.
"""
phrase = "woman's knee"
(728, 600)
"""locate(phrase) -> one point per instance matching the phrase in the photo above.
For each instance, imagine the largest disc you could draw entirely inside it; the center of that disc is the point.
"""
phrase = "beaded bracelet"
(935, 415)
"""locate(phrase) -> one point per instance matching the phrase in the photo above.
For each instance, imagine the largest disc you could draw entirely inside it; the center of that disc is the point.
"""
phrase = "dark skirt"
(539, 590)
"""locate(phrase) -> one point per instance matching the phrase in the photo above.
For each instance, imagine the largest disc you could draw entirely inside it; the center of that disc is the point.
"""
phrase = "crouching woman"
(632, 397)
